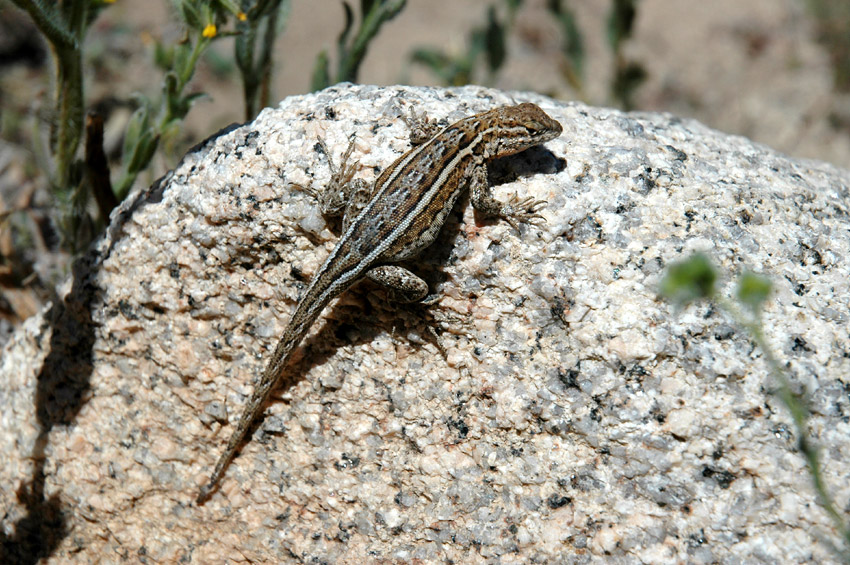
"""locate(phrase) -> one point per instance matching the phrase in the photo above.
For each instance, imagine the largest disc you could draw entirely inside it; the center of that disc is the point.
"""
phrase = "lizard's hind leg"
(402, 283)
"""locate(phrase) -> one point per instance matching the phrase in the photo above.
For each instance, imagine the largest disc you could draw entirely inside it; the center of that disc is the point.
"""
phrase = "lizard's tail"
(324, 287)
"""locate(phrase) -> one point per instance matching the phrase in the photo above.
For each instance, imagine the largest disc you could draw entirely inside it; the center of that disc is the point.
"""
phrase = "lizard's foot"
(422, 128)
(525, 210)
(334, 197)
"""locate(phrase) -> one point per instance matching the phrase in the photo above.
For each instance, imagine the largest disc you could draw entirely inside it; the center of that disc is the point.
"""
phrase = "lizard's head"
(525, 125)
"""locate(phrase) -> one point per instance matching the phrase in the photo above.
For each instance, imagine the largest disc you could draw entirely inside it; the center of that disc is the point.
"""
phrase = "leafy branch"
(64, 25)
(350, 54)
(628, 75)
(263, 20)
(489, 41)
(75, 182)
(155, 121)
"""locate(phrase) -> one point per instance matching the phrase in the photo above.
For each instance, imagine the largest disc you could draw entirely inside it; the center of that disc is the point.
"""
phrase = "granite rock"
(549, 407)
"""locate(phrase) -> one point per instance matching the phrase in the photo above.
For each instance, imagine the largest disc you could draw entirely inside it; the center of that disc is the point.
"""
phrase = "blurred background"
(140, 82)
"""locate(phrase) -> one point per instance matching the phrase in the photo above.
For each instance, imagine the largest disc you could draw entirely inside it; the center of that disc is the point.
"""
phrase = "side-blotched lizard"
(395, 219)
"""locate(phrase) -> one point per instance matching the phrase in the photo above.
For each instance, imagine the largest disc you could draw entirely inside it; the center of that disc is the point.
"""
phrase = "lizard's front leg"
(349, 196)
(422, 128)
(515, 210)
(343, 195)
(346, 196)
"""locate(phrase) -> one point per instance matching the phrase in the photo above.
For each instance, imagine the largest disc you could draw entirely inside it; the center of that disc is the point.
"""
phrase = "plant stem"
(265, 62)
(48, 21)
(245, 62)
(799, 413)
(64, 27)
(69, 118)
(351, 58)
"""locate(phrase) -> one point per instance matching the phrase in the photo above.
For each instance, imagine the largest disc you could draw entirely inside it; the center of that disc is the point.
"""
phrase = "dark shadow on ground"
(63, 388)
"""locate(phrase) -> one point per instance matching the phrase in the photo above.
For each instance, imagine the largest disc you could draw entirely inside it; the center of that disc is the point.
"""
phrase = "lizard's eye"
(545, 126)
(535, 127)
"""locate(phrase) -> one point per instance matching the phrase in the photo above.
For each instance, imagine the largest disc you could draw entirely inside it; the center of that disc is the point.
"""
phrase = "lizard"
(395, 219)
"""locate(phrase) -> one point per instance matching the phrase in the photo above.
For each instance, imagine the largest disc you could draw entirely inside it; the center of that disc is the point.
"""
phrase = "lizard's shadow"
(346, 324)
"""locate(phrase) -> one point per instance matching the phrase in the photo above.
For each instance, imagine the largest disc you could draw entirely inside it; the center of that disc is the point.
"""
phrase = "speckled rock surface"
(572, 416)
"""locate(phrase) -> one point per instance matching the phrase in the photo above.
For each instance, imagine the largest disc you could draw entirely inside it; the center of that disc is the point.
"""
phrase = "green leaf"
(365, 6)
(284, 9)
(50, 22)
(436, 61)
(689, 280)
(346, 30)
(189, 100)
(140, 142)
(95, 8)
(244, 49)
(495, 41)
(208, 16)
(163, 56)
(170, 91)
(139, 122)
(182, 61)
(223, 8)
(321, 77)
(753, 290)
(513, 5)
(351, 55)
(620, 22)
(454, 72)
(144, 152)
(189, 12)
(170, 133)
(262, 9)
(627, 78)
(572, 43)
